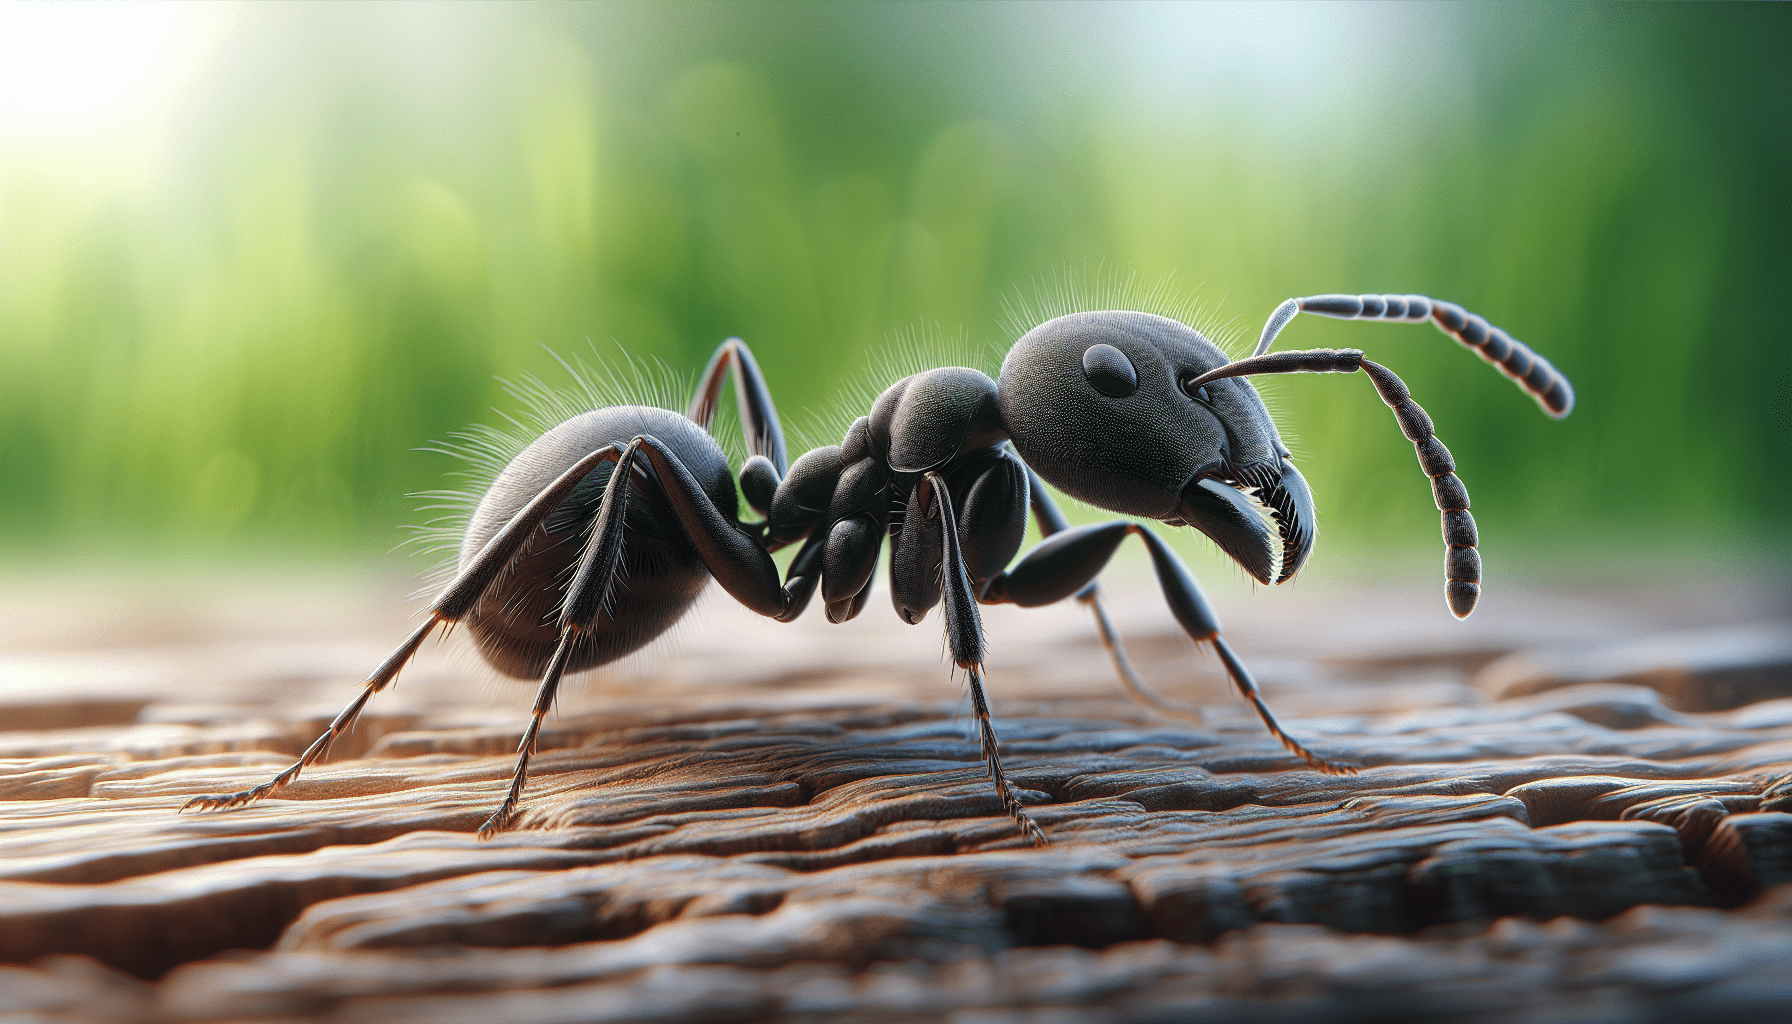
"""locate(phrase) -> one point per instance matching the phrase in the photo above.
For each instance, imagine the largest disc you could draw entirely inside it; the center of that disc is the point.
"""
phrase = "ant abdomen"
(515, 622)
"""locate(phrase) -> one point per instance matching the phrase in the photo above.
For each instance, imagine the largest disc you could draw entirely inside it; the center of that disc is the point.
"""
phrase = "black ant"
(1132, 412)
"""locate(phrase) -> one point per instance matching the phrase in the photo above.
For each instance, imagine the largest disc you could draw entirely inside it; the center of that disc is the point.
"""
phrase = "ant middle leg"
(1064, 564)
(928, 565)
(458, 598)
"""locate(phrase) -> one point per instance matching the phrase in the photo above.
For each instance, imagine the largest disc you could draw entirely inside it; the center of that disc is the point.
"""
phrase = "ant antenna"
(1533, 373)
(1462, 562)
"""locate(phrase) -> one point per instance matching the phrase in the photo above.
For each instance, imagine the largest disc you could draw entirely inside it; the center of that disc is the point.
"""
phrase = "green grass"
(360, 217)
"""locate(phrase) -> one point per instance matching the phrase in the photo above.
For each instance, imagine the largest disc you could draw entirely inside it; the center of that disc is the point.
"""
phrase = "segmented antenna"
(1462, 562)
(1514, 358)
(1307, 360)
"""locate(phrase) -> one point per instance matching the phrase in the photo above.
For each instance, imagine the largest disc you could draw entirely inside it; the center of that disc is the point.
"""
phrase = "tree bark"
(792, 821)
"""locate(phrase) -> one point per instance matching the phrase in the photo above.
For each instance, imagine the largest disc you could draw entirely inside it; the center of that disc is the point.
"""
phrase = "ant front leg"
(1051, 521)
(456, 600)
(1066, 562)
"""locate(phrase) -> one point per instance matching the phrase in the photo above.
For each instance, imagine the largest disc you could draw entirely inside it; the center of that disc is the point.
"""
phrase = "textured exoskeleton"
(601, 533)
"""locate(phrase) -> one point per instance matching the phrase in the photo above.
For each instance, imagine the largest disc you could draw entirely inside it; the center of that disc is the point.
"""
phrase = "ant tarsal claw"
(494, 824)
(226, 801)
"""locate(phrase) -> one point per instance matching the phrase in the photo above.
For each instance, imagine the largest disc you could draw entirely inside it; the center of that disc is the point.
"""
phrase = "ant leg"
(734, 558)
(1063, 564)
(454, 602)
(801, 501)
(760, 474)
(848, 560)
(1052, 521)
(586, 599)
(964, 636)
(544, 700)
(991, 516)
(738, 563)
(917, 555)
(758, 415)
(1135, 685)
(992, 494)
(804, 575)
(376, 682)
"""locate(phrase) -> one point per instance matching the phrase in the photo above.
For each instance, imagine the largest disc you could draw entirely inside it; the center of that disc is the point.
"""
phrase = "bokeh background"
(253, 258)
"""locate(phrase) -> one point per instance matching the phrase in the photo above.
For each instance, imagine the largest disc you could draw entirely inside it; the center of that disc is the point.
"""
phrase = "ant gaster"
(1131, 412)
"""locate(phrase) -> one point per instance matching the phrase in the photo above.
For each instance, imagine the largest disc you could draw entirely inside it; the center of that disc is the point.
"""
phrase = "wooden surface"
(1574, 799)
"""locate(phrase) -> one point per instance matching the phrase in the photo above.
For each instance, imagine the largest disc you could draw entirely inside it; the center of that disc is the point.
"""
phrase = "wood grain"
(791, 822)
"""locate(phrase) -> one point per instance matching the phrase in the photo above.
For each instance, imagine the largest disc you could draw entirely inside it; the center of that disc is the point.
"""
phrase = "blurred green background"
(253, 257)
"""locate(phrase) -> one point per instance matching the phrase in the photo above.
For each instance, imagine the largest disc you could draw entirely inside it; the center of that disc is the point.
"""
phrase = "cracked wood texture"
(1572, 805)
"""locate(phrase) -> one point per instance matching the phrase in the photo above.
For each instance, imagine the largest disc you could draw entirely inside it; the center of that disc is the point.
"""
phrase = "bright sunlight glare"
(73, 70)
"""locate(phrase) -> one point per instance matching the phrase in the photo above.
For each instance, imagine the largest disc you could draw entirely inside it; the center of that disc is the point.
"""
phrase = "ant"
(1132, 412)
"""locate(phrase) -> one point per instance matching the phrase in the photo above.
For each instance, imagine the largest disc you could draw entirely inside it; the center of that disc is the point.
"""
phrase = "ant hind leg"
(760, 474)
(314, 753)
(585, 600)
(740, 565)
(454, 602)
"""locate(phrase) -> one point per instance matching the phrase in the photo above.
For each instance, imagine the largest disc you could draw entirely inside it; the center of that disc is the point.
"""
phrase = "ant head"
(1099, 405)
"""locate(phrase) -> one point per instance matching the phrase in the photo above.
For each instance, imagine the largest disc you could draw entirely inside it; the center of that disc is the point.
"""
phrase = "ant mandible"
(1131, 412)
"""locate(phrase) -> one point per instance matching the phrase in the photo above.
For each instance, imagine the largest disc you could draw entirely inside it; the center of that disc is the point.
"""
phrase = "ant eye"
(1198, 394)
(1110, 371)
